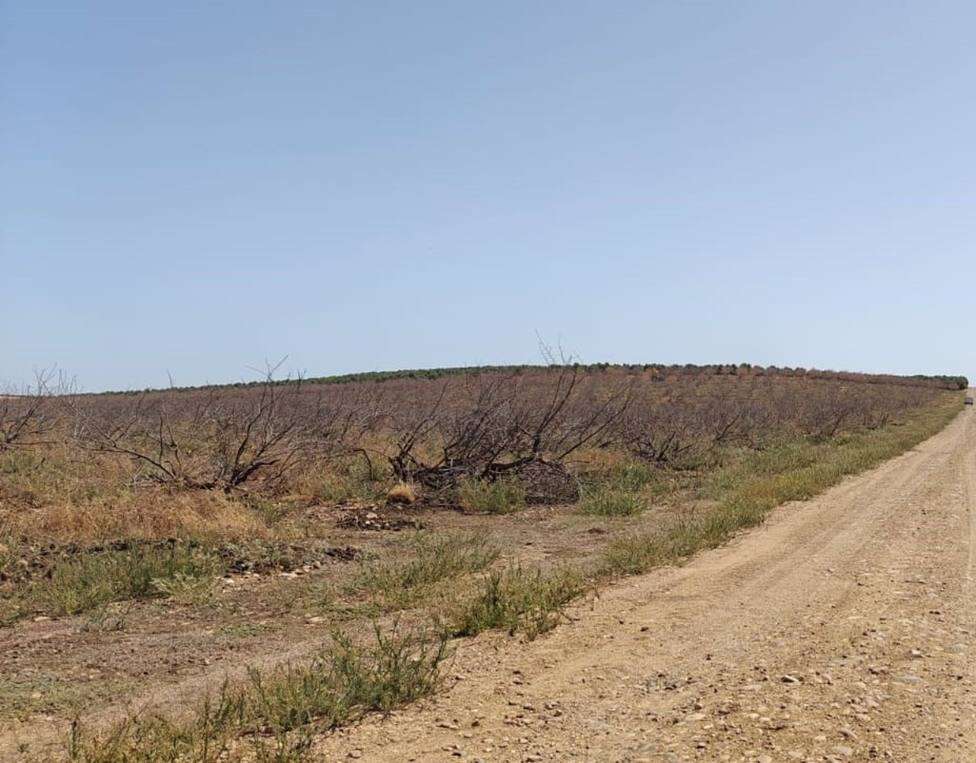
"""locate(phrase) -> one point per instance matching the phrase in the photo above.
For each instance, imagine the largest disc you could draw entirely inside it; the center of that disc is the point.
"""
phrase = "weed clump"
(517, 599)
(340, 480)
(606, 501)
(277, 713)
(500, 496)
(431, 559)
(91, 580)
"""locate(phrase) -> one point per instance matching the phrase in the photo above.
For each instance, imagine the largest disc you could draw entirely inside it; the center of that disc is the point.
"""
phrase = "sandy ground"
(843, 629)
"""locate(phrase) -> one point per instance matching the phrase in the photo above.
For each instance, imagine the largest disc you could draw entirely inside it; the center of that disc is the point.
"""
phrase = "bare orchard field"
(234, 572)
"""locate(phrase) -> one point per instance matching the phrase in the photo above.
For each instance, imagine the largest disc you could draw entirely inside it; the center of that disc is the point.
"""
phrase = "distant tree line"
(657, 371)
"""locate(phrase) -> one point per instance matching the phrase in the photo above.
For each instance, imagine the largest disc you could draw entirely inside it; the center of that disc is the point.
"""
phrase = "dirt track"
(843, 629)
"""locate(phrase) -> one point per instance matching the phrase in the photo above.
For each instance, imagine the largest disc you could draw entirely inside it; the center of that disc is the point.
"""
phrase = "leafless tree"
(217, 438)
(494, 427)
(26, 415)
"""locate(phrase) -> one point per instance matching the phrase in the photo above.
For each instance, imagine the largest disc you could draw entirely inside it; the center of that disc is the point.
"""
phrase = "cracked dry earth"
(842, 629)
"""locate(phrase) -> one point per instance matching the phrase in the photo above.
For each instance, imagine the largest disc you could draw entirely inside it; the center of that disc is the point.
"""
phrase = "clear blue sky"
(195, 187)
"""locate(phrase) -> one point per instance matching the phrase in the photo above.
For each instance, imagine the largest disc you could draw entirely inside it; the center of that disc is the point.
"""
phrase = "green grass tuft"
(431, 559)
(605, 501)
(501, 496)
(519, 600)
(91, 580)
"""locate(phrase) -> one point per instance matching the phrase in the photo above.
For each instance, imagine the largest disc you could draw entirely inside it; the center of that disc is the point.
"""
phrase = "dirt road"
(843, 629)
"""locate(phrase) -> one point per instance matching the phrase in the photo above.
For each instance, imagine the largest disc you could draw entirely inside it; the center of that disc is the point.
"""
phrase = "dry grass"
(150, 514)
(402, 492)
(58, 497)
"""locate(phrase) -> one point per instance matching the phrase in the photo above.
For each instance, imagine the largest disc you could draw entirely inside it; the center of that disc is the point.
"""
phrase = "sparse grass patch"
(606, 501)
(517, 599)
(635, 554)
(8, 556)
(350, 479)
(396, 583)
(90, 580)
(271, 510)
(186, 589)
(501, 496)
(632, 475)
(273, 715)
(240, 631)
(46, 692)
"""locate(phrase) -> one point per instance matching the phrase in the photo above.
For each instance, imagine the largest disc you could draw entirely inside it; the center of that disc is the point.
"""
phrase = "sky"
(190, 189)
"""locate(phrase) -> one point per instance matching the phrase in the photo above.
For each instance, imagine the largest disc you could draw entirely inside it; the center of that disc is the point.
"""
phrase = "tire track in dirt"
(843, 629)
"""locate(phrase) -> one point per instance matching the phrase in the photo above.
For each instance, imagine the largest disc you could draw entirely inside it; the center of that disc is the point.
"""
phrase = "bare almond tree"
(217, 438)
(493, 427)
(27, 415)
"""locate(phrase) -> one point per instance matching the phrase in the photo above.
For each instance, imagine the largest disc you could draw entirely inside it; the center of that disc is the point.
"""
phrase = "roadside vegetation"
(274, 716)
(398, 581)
(367, 505)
